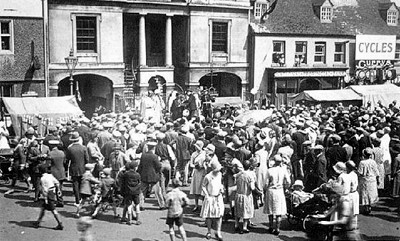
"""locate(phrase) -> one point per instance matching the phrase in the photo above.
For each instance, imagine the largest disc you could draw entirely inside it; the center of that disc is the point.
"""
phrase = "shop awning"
(327, 95)
(42, 111)
(385, 93)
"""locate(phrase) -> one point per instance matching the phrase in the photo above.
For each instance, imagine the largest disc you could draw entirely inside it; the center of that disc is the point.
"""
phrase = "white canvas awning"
(43, 110)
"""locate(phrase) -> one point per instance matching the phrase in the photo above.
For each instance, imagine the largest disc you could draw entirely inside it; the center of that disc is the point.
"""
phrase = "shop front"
(283, 83)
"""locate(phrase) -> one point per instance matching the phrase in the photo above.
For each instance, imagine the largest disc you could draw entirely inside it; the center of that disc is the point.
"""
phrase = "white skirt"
(355, 199)
(213, 207)
(275, 202)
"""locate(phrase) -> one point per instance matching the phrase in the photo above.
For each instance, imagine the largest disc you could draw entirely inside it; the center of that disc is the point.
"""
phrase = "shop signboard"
(375, 47)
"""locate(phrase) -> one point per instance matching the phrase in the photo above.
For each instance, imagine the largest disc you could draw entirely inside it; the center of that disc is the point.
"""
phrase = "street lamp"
(71, 62)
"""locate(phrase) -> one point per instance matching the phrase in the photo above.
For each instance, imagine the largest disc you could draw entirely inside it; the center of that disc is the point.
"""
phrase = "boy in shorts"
(48, 186)
(175, 201)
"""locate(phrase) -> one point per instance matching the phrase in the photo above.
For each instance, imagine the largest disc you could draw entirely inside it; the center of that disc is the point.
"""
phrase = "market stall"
(385, 93)
(40, 112)
(328, 97)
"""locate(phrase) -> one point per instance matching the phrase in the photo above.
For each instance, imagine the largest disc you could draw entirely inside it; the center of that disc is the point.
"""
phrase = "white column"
(142, 41)
(168, 41)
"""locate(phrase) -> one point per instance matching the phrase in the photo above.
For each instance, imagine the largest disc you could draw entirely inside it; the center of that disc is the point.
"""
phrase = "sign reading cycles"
(375, 47)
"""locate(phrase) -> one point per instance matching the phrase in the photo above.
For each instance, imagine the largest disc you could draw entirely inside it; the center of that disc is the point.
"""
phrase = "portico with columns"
(149, 47)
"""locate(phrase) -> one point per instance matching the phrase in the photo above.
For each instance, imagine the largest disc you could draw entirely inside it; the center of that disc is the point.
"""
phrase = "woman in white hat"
(213, 205)
(275, 203)
(199, 171)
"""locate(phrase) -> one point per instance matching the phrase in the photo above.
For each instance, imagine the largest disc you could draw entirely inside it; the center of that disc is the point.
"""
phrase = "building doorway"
(226, 84)
(309, 84)
(95, 91)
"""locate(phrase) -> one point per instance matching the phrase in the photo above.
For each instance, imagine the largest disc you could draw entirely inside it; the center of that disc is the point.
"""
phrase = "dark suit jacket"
(57, 164)
(333, 155)
(78, 155)
(363, 143)
(220, 149)
(149, 168)
(183, 144)
(353, 142)
(320, 170)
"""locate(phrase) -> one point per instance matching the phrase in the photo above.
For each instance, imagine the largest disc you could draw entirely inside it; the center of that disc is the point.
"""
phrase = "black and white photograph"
(168, 120)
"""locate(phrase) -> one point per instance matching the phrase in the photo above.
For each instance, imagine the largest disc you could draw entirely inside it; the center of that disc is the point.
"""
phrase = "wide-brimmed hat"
(107, 171)
(199, 145)
(298, 183)
(151, 143)
(318, 147)
(340, 167)
(238, 124)
(116, 134)
(74, 136)
(108, 124)
(222, 133)
(350, 165)
(211, 148)
(54, 142)
(89, 166)
(160, 136)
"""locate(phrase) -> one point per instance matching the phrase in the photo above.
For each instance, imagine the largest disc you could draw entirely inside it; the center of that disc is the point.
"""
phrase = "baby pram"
(6, 156)
(316, 205)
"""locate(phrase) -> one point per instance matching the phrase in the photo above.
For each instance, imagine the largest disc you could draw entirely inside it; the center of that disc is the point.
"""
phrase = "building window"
(278, 56)
(220, 37)
(6, 91)
(326, 14)
(392, 17)
(86, 34)
(340, 50)
(6, 36)
(260, 9)
(301, 53)
(320, 52)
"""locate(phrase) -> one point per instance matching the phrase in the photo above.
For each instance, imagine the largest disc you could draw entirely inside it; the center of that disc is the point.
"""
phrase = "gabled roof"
(298, 17)
(318, 3)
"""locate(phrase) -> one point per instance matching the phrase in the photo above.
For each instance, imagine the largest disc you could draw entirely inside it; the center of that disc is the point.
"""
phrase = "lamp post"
(71, 62)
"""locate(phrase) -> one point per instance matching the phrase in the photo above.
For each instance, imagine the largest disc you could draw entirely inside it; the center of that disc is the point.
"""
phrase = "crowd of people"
(231, 167)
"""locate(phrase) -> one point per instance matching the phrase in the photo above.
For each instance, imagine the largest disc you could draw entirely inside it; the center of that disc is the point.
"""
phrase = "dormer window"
(323, 9)
(260, 7)
(392, 17)
(326, 14)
